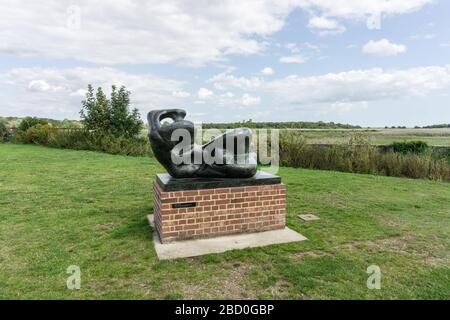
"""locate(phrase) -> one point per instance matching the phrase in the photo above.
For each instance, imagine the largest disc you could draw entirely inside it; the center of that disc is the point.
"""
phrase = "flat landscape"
(63, 207)
(434, 137)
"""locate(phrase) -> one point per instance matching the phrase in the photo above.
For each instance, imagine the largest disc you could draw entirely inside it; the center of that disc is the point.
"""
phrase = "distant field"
(434, 137)
(377, 136)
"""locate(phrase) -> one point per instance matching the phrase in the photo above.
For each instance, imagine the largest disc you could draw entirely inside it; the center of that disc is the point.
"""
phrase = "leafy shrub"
(38, 134)
(416, 147)
(29, 122)
(84, 140)
(3, 130)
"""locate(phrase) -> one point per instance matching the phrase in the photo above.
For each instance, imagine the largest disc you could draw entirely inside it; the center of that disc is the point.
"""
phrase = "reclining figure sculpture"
(230, 151)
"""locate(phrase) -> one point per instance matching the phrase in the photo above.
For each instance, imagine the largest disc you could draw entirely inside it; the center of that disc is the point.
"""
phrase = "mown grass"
(63, 207)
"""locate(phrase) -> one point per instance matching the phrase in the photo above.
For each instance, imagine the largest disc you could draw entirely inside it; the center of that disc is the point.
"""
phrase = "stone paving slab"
(199, 247)
(308, 217)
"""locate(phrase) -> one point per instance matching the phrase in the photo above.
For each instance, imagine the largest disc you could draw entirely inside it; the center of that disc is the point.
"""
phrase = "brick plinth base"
(205, 213)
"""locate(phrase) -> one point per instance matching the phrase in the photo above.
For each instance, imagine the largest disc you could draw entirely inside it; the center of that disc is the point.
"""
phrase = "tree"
(123, 122)
(110, 116)
(103, 110)
(95, 114)
(87, 112)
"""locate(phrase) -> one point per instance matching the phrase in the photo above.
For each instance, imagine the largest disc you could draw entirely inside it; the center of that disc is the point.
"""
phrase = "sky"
(366, 62)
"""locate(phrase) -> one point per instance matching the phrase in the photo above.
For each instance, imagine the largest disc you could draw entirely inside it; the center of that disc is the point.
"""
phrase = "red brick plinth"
(206, 213)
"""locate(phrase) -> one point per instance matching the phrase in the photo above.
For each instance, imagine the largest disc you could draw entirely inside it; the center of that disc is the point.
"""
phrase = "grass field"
(61, 207)
(376, 136)
(434, 137)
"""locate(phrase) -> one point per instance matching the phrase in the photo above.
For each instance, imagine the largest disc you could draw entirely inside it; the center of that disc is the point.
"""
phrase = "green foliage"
(405, 147)
(122, 121)
(38, 134)
(29, 122)
(3, 130)
(84, 140)
(358, 156)
(103, 116)
(95, 114)
(14, 122)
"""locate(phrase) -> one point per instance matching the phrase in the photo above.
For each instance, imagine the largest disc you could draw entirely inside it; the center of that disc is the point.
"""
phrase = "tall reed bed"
(359, 156)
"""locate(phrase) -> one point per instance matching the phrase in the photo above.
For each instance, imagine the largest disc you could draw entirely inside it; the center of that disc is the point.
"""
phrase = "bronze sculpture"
(227, 156)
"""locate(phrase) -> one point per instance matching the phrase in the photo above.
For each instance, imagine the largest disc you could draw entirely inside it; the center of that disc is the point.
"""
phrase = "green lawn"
(61, 207)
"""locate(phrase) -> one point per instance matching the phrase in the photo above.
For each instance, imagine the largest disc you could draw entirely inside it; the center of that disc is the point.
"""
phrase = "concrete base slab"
(199, 247)
(308, 217)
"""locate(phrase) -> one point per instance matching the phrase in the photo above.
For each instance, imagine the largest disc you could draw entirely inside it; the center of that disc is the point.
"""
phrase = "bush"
(292, 149)
(39, 134)
(84, 140)
(29, 122)
(405, 147)
(3, 130)
(358, 156)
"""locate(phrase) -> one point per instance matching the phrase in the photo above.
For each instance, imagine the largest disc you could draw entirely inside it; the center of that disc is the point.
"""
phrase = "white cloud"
(361, 85)
(248, 100)
(361, 9)
(79, 93)
(293, 59)
(342, 107)
(222, 81)
(293, 47)
(204, 93)
(31, 91)
(326, 13)
(267, 71)
(426, 36)
(171, 31)
(128, 31)
(325, 26)
(347, 87)
(42, 85)
(383, 48)
(181, 94)
(227, 95)
(57, 93)
(312, 46)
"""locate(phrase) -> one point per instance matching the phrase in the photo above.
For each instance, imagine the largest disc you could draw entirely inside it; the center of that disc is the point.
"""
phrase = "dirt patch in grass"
(232, 285)
(235, 283)
(388, 221)
(397, 244)
(280, 290)
(105, 226)
(431, 253)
